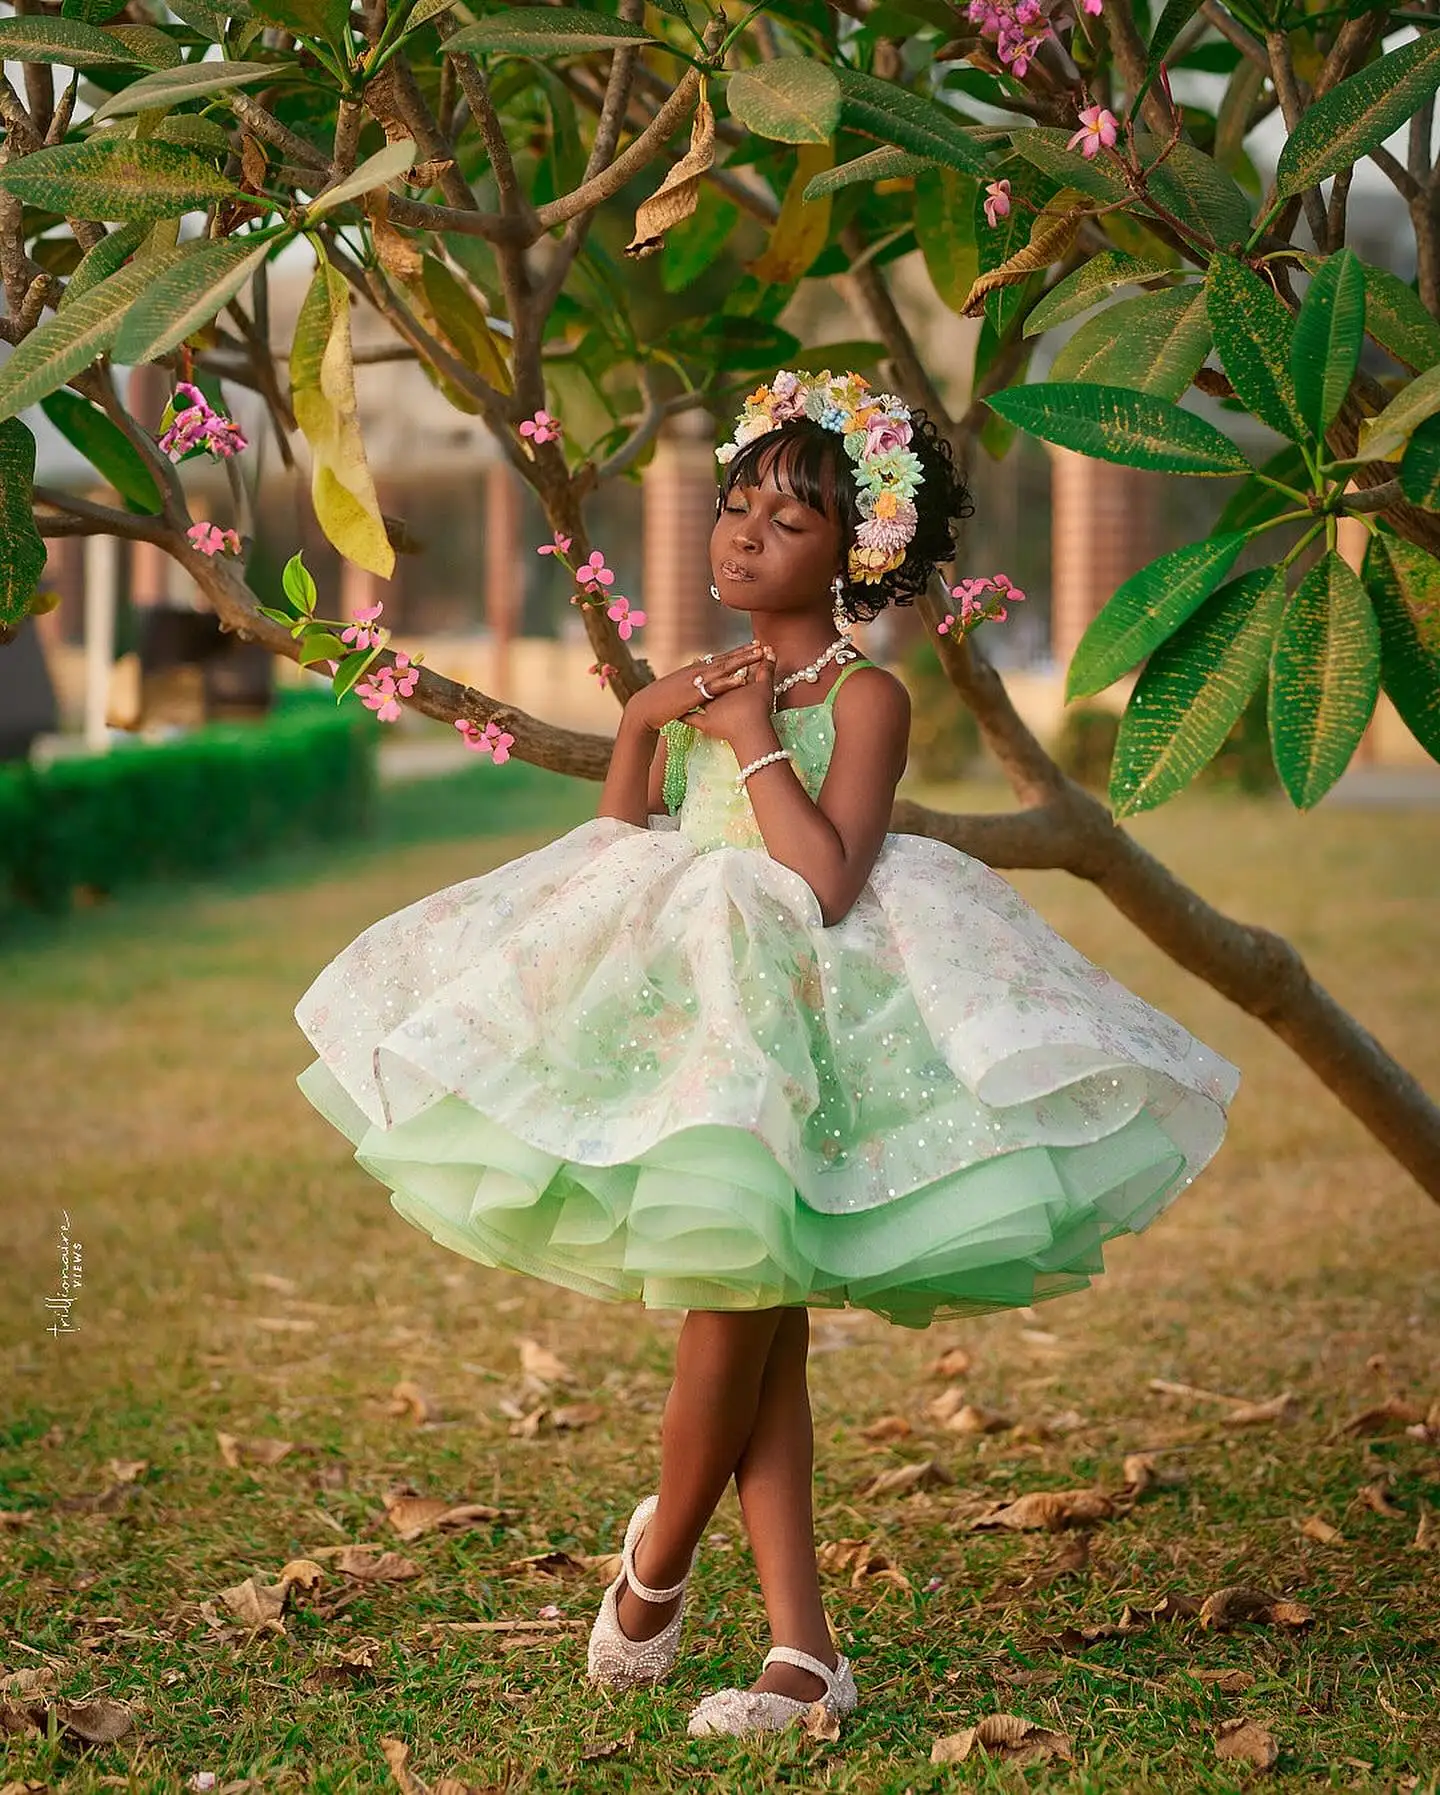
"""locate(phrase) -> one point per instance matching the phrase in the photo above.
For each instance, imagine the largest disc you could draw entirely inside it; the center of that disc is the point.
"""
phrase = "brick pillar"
(64, 575)
(1102, 528)
(504, 569)
(682, 620)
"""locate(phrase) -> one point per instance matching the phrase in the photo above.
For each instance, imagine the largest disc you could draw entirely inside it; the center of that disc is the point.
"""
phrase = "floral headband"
(876, 432)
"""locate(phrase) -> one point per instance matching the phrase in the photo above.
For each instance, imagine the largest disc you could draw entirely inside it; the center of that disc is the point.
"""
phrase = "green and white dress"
(635, 1062)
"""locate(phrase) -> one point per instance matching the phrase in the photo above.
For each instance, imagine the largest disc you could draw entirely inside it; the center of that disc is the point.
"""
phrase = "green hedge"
(221, 797)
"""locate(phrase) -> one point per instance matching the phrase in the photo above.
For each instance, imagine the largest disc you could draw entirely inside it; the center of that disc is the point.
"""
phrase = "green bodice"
(700, 771)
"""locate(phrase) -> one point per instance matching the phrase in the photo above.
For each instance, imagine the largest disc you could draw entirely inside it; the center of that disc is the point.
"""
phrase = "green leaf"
(322, 645)
(297, 584)
(351, 671)
(461, 323)
(546, 31)
(1087, 285)
(694, 245)
(91, 12)
(1154, 343)
(187, 297)
(100, 262)
(1039, 230)
(200, 18)
(1404, 586)
(168, 87)
(1359, 114)
(105, 446)
(1253, 331)
(1192, 186)
(1148, 607)
(1383, 437)
(424, 12)
(67, 41)
(885, 164)
(1329, 331)
(148, 45)
(116, 178)
(1397, 320)
(376, 171)
(22, 550)
(945, 227)
(71, 340)
(1324, 680)
(1043, 147)
(893, 114)
(792, 100)
(196, 132)
(1114, 423)
(1193, 690)
(1177, 14)
(324, 19)
(1256, 503)
(1420, 466)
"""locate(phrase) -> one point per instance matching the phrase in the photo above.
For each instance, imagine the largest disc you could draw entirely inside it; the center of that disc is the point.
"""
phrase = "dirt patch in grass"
(242, 1278)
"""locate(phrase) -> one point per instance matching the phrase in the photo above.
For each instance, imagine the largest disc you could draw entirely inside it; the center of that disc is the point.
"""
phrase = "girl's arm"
(632, 786)
(834, 842)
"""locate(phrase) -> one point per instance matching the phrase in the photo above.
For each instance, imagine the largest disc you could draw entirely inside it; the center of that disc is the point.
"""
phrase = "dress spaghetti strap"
(845, 673)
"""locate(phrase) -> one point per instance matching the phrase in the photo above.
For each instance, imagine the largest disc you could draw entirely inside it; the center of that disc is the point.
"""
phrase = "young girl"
(731, 1048)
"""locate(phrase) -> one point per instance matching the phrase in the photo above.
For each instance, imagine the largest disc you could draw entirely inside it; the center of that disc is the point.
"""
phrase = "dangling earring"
(842, 620)
(715, 593)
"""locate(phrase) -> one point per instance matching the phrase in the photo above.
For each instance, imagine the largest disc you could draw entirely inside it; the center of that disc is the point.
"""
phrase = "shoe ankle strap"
(791, 1654)
(646, 1594)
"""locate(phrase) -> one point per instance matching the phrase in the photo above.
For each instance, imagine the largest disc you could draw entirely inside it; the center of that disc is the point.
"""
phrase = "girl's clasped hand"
(741, 682)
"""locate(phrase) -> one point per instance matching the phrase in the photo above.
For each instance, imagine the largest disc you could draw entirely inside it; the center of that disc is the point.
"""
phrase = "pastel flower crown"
(876, 432)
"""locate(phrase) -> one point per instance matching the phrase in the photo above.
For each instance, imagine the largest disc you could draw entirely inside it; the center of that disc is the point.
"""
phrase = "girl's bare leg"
(773, 1478)
(710, 1413)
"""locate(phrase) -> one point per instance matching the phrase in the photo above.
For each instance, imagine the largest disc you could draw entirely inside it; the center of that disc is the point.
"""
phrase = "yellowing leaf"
(1050, 238)
(676, 196)
(803, 225)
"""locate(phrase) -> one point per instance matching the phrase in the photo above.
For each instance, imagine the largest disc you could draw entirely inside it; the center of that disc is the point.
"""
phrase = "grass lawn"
(242, 1278)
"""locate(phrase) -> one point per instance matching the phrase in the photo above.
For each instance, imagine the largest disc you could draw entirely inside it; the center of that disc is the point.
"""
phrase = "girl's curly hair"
(809, 461)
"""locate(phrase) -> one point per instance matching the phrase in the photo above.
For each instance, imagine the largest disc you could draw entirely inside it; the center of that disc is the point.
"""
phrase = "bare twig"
(1234, 33)
(1399, 177)
(1292, 105)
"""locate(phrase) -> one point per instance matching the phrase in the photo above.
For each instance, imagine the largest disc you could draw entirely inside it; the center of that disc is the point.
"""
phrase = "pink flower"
(1098, 129)
(943, 627)
(886, 434)
(1094, 7)
(210, 539)
(560, 545)
(983, 599)
(997, 202)
(624, 616)
(593, 574)
(604, 673)
(198, 426)
(542, 427)
(379, 694)
(548, 1612)
(491, 740)
(405, 674)
(359, 634)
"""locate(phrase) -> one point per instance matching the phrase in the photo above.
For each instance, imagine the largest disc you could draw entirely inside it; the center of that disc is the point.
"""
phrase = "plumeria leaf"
(1193, 690)
(1329, 331)
(1397, 320)
(1115, 423)
(105, 446)
(1404, 586)
(187, 296)
(547, 31)
(1193, 186)
(1176, 15)
(792, 100)
(1043, 146)
(887, 164)
(1358, 114)
(70, 42)
(1420, 466)
(324, 19)
(1154, 343)
(22, 549)
(1383, 438)
(97, 264)
(376, 171)
(1052, 231)
(945, 227)
(800, 232)
(911, 121)
(1095, 279)
(168, 87)
(116, 178)
(1148, 607)
(1324, 680)
(1253, 331)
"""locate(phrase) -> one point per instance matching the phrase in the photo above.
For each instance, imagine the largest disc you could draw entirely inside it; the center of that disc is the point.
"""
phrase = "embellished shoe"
(615, 1659)
(741, 1711)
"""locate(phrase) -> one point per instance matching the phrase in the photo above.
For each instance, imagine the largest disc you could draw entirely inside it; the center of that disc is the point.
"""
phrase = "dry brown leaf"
(1228, 1682)
(284, 1324)
(904, 1479)
(257, 1604)
(18, 1718)
(1073, 1640)
(1003, 1736)
(1229, 1607)
(527, 1427)
(411, 1516)
(397, 1756)
(1318, 1528)
(128, 1470)
(1049, 1510)
(888, 1427)
(1051, 235)
(1376, 1497)
(16, 1517)
(547, 1564)
(1283, 1407)
(98, 1722)
(817, 1722)
(574, 1415)
(1426, 1533)
(302, 1573)
(1139, 1472)
(364, 1563)
(864, 1562)
(608, 1748)
(954, 1363)
(1162, 1386)
(675, 199)
(539, 1362)
(968, 1419)
(407, 1398)
(34, 1680)
(1390, 1416)
(1242, 1741)
(272, 1280)
(947, 1403)
(504, 1627)
(606, 1566)
(238, 1453)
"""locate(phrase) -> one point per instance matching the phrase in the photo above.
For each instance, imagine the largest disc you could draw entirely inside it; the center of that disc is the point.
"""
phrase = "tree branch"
(84, 517)
(1131, 57)
(1292, 106)
(1235, 34)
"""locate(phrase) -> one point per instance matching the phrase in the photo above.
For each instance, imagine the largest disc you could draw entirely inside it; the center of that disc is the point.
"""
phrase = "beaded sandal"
(615, 1659)
(741, 1711)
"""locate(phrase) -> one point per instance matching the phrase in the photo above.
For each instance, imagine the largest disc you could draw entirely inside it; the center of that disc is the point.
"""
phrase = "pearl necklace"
(840, 651)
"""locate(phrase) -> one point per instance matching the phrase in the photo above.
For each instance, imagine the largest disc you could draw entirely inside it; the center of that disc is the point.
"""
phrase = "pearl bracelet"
(764, 761)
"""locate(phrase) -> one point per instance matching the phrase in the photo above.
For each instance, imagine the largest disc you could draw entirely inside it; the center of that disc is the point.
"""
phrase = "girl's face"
(770, 552)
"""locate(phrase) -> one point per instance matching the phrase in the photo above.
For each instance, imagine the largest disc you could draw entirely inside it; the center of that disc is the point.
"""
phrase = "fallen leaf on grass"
(572, 1416)
(1170, 1608)
(271, 1280)
(397, 1756)
(344, 1668)
(954, 1363)
(1318, 1528)
(1073, 1640)
(238, 1453)
(1228, 1682)
(864, 1562)
(302, 1573)
(363, 1563)
(256, 1604)
(968, 1419)
(817, 1722)
(16, 1517)
(546, 1564)
(98, 1722)
(1242, 1741)
(411, 1516)
(285, 1324)
(407, 1398)
(1390, 1416)
(1003, 1736)
(503, 1627)
(1229, 1607)
(904, 1479)
(1162, 1386)
(1376, 1497)
(888, 1427)
(943, 1406)
(1283, 1407)
(1048, 1510)
(539, 1362)
(1390, 1708)
(128, 1470)
(609, 1748)
(1427, 1534)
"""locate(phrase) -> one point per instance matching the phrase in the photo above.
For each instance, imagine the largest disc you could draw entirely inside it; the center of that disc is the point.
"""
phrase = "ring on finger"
(701, 687)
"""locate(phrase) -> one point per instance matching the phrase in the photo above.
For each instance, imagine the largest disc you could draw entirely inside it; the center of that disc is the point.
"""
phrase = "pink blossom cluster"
(382, 691)
(199, 426)
(362, 631)
(491, 740)
(542, 428)
(625, 616)
(593, 574)
(1018, 28)
(981, 600)
(558, 545)
(210, 539)
(604, 672)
